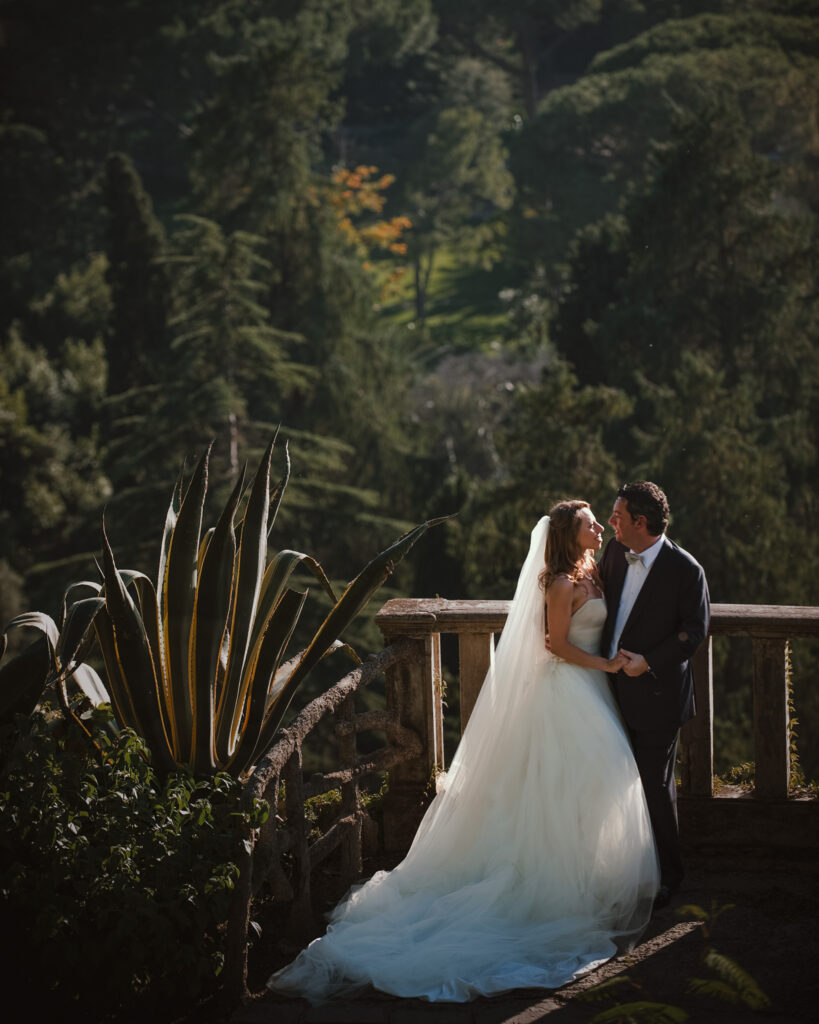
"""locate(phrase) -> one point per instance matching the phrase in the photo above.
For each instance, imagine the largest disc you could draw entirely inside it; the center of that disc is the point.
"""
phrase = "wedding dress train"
(535, 863)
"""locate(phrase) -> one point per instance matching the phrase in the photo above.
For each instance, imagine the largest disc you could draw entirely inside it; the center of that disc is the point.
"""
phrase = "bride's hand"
(636, 663)
(617, 662)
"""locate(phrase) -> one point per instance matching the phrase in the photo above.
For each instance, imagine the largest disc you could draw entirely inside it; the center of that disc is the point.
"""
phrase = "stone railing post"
(475, 656)
(697, 736)
(413, 693)
(771, 740)
(768, 627)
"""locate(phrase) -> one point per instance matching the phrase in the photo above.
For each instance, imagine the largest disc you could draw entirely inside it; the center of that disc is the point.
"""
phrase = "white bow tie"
(634, 559)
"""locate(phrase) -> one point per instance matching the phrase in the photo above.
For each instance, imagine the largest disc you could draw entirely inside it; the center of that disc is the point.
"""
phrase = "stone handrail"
(414, 692)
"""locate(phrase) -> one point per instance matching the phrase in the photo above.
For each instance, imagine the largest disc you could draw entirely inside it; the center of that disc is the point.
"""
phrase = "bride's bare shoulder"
(560, 589)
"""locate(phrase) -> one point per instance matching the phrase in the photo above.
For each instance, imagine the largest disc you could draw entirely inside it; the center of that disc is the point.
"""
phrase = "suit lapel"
(614, 587)
(651, 584)
(616, 584)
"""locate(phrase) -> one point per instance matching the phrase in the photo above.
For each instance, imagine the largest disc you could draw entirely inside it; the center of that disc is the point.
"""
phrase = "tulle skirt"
(535, 863)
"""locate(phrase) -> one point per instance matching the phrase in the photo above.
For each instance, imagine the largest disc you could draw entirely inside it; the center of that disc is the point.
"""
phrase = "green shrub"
(114, 885)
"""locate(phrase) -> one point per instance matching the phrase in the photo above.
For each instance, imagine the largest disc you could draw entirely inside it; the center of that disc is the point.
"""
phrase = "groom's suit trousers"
(655, 751)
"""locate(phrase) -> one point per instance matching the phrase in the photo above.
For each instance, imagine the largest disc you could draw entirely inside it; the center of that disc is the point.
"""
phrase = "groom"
(658, 613)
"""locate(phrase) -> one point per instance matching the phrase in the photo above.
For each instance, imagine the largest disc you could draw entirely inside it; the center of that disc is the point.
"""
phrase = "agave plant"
(196, 664)
(24, 677)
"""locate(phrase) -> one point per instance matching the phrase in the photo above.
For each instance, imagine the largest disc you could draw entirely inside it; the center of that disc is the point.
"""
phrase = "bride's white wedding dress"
(535, 863)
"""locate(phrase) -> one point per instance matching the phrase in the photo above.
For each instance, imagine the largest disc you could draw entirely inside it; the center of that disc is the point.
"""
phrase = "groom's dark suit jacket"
(668, 622)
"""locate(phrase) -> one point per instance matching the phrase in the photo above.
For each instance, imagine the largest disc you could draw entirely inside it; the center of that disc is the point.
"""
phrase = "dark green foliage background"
(611, 274)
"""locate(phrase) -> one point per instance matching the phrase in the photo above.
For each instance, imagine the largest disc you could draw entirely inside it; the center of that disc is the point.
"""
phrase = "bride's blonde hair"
(563, 556)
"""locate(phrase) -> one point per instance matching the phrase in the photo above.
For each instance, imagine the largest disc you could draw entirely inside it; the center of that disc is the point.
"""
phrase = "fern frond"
(642, 1012)
(692, 910)
(746, 988)
(713, 987)
(604, 989)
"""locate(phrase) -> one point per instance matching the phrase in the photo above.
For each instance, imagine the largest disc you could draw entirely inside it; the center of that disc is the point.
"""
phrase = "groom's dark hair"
(644, 498)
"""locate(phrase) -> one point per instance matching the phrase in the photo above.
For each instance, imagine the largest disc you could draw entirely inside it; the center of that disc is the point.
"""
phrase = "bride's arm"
(559, 619)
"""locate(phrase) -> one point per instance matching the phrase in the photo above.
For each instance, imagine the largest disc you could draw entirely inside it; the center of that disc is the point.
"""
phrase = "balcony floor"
(771, 932)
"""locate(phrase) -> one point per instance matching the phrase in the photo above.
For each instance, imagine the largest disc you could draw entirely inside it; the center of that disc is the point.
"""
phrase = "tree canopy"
(469, 256)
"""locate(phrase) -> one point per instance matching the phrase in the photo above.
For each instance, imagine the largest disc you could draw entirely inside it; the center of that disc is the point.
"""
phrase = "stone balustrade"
(414, 693)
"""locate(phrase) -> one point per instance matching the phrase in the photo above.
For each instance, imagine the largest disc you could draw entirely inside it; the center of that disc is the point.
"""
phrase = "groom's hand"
(636, 664)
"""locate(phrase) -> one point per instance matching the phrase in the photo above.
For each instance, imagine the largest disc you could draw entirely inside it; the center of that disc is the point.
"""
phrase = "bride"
(535, 862)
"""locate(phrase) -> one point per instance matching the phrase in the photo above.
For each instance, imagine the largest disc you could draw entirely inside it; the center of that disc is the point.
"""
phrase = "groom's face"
(624, 527)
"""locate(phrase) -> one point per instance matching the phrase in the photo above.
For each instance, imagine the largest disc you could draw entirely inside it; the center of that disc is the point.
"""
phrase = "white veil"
(501, 707)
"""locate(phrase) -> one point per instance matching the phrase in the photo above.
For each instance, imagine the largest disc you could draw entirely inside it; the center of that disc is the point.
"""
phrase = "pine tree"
(224, 343)
(138, 340)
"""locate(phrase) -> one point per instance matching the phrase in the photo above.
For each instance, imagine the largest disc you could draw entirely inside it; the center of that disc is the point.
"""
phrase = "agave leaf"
(178, 590)
(148, 606)
(261, 670)
(203, 547)
(95, 589)
(278, 493)
(23, 678)
(167, 531)
(247, 582)
(211, 609)
(149, 610)
(78, 623)
(37, 620)
(354, 598)
(120, 694)
(280, 677)
(274, 583)
(133, 657)
(170, 523)
(23, 694)
(91, 685)
(283, 671)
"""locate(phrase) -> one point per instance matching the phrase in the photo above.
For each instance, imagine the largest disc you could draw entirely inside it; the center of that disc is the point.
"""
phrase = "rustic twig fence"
(260, 852)
(413, 724)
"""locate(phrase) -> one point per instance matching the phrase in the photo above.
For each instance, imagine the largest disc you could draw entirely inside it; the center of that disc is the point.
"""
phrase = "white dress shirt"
(632, 585)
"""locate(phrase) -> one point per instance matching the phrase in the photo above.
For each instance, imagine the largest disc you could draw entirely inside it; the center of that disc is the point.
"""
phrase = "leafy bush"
(114, 885)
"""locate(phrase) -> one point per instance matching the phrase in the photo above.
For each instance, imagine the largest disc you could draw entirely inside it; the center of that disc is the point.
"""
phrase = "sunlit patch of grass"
(463, 305)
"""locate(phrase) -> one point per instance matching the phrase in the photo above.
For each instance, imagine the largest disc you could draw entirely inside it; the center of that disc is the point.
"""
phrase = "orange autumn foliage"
(355, 194)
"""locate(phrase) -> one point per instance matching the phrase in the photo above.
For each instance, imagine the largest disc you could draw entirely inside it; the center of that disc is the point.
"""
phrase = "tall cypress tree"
(138, 340)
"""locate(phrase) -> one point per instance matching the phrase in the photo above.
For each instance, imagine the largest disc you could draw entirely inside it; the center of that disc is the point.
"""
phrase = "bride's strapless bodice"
(586, 626)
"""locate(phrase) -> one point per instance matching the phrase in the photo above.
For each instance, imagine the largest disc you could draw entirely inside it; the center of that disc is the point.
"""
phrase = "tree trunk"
(420, 291)
(422, 276)
(233, 444)
(528, 50)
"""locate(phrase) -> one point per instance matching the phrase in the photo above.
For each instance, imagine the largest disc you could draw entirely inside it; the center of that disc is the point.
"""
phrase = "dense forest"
(469, 257)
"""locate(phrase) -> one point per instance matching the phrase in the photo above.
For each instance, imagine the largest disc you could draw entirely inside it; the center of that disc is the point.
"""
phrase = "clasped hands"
(628, 662)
